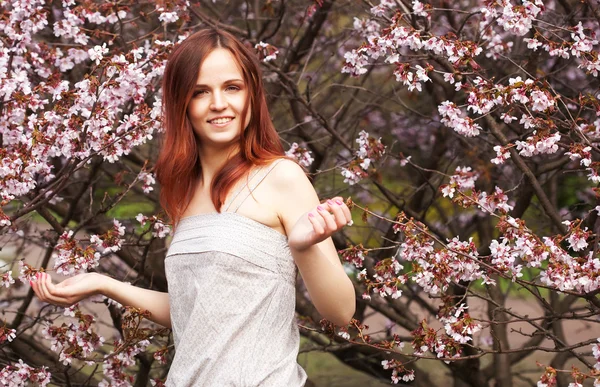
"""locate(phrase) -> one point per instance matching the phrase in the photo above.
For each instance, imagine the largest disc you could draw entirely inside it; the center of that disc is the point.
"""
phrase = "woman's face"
(216, 108)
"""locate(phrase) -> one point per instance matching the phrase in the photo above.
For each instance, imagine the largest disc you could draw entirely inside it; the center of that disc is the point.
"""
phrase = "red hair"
(178, 167)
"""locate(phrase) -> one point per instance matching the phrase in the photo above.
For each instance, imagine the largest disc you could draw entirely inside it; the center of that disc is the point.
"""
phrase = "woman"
(245, 218)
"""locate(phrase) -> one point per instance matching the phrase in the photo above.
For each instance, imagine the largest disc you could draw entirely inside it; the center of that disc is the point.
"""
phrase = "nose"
(218, 102)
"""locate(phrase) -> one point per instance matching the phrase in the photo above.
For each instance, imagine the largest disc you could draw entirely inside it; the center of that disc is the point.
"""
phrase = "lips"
(220, 120)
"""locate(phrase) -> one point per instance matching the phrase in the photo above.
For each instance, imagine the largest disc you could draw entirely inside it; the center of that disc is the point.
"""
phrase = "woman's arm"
(74, 289)
(309, 226)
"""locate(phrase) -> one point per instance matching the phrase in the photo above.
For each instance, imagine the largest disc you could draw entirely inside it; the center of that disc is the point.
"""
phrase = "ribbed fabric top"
(232, 300)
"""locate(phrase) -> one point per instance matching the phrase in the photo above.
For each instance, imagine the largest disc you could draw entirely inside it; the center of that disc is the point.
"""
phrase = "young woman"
(246, 219)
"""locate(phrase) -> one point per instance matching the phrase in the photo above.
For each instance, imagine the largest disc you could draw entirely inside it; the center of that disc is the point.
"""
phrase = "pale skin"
(285, 201)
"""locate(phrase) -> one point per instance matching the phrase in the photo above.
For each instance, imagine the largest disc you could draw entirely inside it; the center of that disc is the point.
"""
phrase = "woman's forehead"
(219, 66)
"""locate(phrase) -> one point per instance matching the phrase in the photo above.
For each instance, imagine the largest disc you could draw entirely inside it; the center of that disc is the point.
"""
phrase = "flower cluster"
(26, 272)
(459, 325)
(579, 151)
(73, 340)
(369, 150)
(135, 340)
(517, 19)
(7, 334)
(452, 117)
(392, 42)
(411, 79)
(367, 28)
(158, 227)
(355, 255)
(20, 375)
(64, 118)
(548, 378)
(266, 52)
(463, 180)
(494, 202)
(425, 338)
(110, 241)
(161, 355)
(300, 154)
(123, 356)
(420, 9)
(172, 11)
(386, 279)
(434, 270)
(583, 152)
(580, 46)
(6, 279)
(70, 257)
(562, 270)
(502, 154)
(527, 92)
(399, 373)
(596, 353)
(538, 144)
(148, 180)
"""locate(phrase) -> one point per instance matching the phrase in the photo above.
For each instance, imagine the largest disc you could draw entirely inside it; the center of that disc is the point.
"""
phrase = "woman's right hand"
(69, 291)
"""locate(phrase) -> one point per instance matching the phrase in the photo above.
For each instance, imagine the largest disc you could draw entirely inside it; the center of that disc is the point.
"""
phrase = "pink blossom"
(518, 19)
(148, 180)
(532, 44)
(419, 9)
(451, 116)
(70, 257)
(369, 150)
(301, 154)
(6, 279)
(20, 375)
(577, 239)
(541, 101)
(266, 51)
(502, 154)
(158, 227)
(538, 144)
(7, 334)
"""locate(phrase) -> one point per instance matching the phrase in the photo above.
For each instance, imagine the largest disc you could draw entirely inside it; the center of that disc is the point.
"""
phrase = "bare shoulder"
(292, 194)
(287, 174)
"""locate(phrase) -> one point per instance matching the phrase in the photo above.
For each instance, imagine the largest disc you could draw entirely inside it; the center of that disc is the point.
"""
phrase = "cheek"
(194, 110)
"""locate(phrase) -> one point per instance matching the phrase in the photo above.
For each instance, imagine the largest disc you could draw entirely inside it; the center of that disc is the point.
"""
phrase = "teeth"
(221, 120)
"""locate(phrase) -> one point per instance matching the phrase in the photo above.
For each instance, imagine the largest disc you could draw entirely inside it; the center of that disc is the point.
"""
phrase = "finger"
(41, 290)
(330, 224)
(50, 287)
(58, 290)
(42, 285)
(340, 201)
(58, 294)
(316, 223)
(36, 289)
(338, 214)
(44, 282)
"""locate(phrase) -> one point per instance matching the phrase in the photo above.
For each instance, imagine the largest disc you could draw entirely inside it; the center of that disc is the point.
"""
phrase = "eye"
(232, 88)
(199, 92)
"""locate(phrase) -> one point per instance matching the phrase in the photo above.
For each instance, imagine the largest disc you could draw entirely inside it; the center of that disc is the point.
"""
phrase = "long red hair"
(178, 167)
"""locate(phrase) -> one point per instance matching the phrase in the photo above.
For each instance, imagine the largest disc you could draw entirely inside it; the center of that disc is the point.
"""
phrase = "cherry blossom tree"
(465, 135)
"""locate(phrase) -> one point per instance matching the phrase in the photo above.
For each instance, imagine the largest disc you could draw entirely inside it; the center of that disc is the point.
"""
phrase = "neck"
(212, 160)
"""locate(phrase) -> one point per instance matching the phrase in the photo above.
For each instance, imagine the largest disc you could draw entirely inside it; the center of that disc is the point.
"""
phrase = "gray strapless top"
(232, 301)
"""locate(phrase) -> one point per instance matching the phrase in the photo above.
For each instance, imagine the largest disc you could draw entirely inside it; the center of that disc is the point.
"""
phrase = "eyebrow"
(228, 81)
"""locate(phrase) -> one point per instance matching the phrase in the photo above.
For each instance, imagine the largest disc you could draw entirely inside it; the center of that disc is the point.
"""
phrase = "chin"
(224, 141)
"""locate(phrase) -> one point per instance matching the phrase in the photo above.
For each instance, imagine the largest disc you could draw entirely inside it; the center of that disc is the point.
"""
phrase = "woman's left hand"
(319, 224)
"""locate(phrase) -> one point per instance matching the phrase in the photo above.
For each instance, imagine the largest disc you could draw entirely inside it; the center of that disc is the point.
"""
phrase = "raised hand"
(319, 224)
(69, 291)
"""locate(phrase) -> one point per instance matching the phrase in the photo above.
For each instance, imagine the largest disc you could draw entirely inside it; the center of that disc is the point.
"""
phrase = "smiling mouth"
(221, 120)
